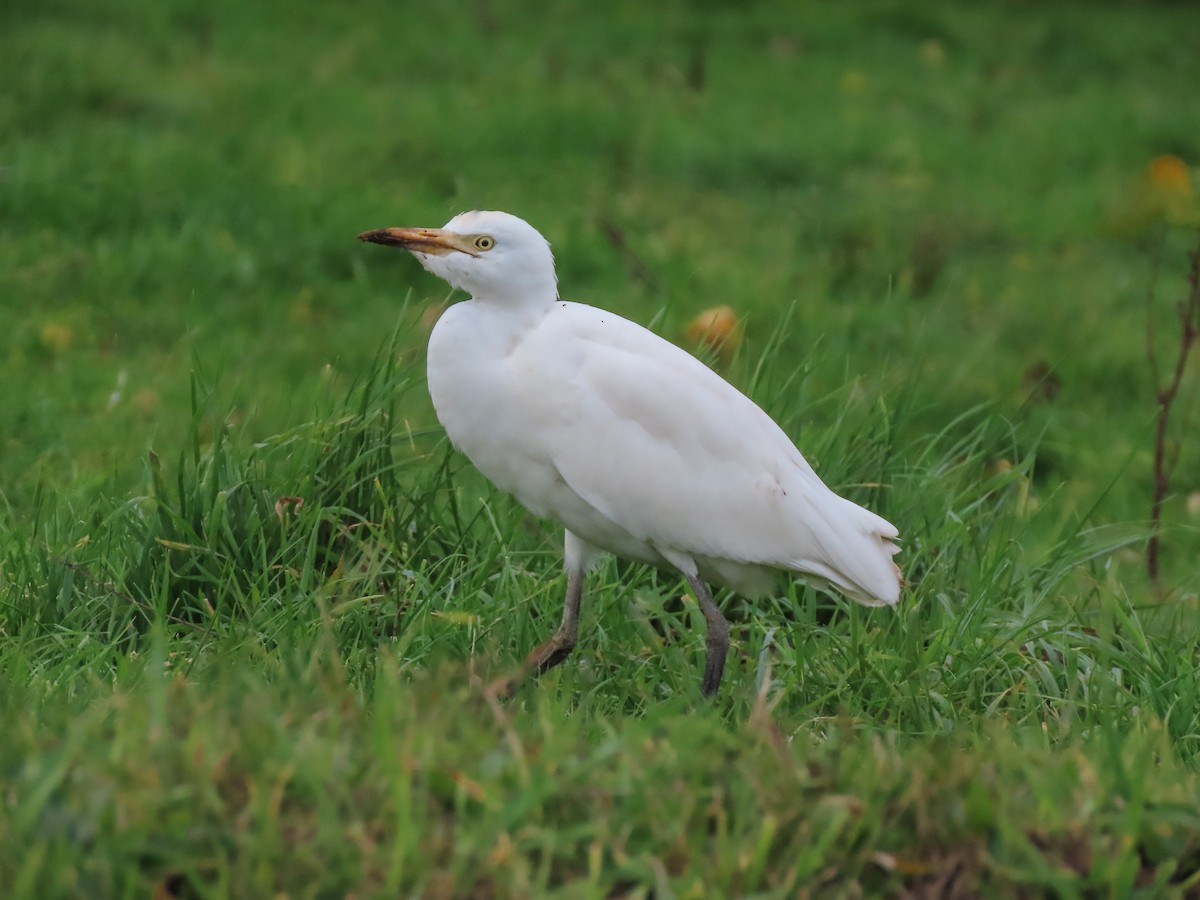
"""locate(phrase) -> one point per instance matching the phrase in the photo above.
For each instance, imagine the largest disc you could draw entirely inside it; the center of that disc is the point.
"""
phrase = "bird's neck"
(512, 317)
(528, 299)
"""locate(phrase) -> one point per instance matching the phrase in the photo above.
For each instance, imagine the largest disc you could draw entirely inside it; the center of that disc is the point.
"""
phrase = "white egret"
(633, 445)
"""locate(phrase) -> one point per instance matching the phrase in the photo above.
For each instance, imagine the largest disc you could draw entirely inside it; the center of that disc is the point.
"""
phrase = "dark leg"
(717, 638)
(562, 642)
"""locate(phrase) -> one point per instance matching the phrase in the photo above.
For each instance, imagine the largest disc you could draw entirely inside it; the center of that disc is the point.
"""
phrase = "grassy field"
(249, 597)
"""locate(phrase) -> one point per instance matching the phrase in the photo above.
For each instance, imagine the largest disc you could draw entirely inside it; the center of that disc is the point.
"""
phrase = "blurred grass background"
(936, 191)
(938, 227)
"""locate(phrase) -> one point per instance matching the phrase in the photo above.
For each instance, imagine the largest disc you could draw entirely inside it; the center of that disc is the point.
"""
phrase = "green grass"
(925, 217)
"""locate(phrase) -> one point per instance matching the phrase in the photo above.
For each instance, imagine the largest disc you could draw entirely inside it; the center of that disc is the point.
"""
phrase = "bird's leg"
(562, 642)
(549, 654)
(717, 639)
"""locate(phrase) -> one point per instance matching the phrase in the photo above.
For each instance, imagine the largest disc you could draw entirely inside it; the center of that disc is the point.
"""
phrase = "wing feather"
(671, 453)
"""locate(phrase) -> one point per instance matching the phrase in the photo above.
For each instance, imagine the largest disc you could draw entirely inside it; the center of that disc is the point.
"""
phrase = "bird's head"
(490, 255)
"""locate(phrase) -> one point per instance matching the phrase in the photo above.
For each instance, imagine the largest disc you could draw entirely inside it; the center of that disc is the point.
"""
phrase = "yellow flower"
(1162, 192)
(717, 329)
(57, 336)
(1170, 173)
(1169, 193)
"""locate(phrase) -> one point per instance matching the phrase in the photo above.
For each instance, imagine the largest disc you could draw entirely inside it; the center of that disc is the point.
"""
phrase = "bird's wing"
(674, 455)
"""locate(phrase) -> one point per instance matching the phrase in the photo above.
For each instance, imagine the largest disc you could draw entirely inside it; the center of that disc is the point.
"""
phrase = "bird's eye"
(484, 242)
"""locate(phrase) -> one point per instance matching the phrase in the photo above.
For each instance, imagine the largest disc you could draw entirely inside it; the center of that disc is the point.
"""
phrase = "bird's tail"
(859, 549)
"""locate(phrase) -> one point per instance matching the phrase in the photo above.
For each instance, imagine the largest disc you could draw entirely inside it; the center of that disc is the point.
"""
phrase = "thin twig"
(1189, 321)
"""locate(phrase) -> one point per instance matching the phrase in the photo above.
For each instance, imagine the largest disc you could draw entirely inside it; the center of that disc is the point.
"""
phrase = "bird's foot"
(549, 654)
(543, 658)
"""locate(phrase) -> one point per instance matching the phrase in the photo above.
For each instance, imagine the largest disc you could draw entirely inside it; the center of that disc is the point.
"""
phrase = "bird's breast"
(502, 398)
(481, 399)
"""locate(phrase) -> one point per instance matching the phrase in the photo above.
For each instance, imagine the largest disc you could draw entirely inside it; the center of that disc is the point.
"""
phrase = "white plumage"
(633, 445)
